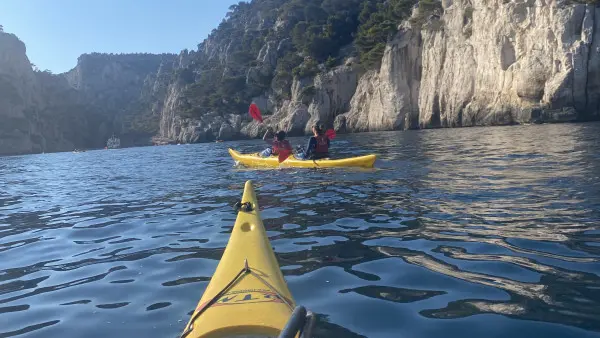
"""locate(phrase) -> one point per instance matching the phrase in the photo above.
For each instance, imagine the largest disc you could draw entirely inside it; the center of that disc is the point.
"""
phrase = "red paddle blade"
(330, 134)
(283, 155)
(255, 112)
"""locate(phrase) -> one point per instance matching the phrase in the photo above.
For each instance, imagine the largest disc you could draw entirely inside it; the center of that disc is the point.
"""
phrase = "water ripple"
(457, 233)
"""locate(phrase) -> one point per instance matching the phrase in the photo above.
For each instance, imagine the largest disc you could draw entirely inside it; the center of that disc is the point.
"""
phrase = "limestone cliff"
(119, 94)
(103, 94)
(321, 99)
(485, 62)
(469, 62)
(20, 100)
(388, 99)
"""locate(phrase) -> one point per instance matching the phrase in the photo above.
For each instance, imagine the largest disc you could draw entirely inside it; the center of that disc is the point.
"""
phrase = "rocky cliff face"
(321, 99)
(485, 62)
(20, 100)
(103, 94)
(388, 99)
(120, 94)
(473, 62)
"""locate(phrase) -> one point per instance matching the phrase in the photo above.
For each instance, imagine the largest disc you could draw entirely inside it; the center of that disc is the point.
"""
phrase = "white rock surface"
(490, 62)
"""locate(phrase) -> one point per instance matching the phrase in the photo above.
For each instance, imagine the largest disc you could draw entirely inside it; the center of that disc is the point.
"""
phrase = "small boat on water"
(113, 142)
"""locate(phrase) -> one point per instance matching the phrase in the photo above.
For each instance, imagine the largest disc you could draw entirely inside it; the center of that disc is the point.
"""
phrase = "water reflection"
(453, 225)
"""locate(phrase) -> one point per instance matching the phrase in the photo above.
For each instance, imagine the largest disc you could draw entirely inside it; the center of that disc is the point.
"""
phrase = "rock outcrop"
(103, 94)
(20, 100)
(333, 92)
(485, 62)
(122, 94)
(321, 99)
(388, 99)
(476, 62)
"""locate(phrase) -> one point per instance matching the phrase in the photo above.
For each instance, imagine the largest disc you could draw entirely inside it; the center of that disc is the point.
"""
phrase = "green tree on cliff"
(379, 23)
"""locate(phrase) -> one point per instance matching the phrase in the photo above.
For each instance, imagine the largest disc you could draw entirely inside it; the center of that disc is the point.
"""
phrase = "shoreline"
(174, 143)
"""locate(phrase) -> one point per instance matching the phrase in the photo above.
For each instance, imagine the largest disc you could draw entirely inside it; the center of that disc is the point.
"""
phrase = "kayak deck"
(247, 295)
(255, 160)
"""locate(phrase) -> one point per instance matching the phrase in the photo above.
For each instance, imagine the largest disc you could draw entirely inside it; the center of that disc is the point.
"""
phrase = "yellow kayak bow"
(247, 295)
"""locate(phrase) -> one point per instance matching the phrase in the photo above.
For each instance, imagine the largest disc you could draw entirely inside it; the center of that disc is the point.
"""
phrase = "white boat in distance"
(113, 142)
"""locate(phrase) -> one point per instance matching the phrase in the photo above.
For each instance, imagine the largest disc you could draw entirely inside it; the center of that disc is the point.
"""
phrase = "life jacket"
(282, 147)
(322, 146)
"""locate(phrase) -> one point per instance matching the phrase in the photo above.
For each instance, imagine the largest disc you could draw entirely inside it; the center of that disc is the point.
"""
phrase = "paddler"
(318, 145)
(279, 145)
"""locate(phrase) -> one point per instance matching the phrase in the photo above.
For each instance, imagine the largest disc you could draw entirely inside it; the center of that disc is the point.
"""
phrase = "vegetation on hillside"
(225, 74)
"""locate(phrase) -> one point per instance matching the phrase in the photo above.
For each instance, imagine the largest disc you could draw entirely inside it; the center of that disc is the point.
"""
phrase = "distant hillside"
(102, 95)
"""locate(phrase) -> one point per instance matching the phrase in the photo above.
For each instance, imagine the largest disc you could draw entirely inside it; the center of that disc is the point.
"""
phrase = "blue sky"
(56, 32)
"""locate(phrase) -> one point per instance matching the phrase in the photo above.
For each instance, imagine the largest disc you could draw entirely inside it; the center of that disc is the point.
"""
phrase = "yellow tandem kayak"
(254, 160)
(247, 295)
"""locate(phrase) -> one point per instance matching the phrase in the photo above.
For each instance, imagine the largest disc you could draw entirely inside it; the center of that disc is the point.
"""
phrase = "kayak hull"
(254, 160)
(247, 295)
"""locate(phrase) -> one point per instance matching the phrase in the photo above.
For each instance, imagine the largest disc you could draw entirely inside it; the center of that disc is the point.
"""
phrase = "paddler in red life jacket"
(279, 145)
(318, 145)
